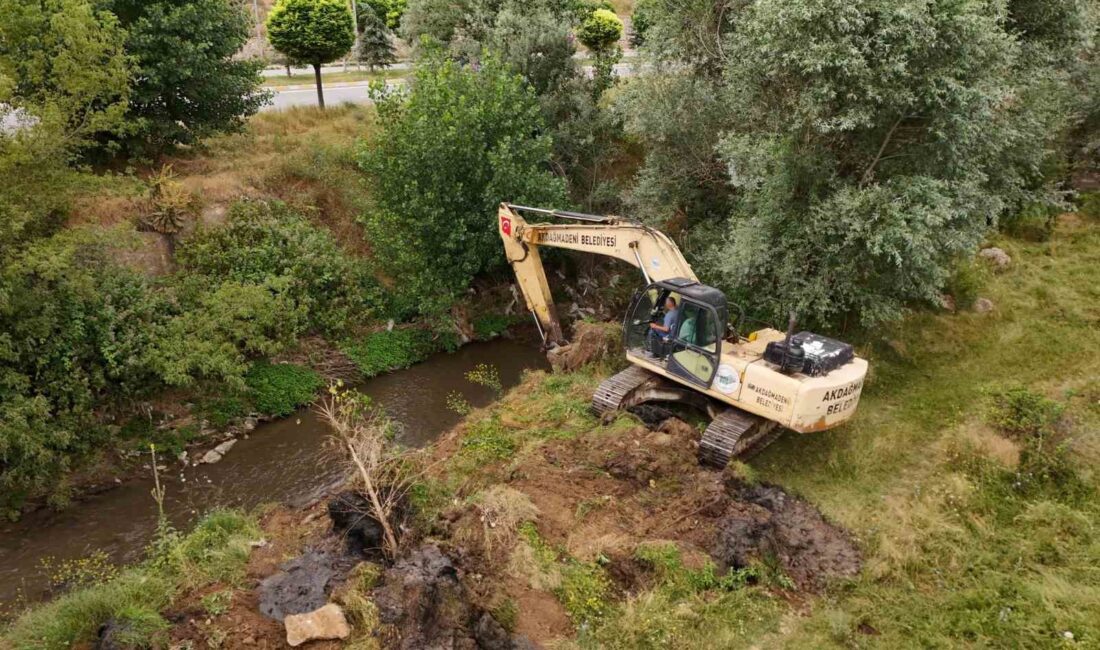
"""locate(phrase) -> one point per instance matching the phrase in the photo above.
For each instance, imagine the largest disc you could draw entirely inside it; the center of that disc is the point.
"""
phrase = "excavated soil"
(600, 495)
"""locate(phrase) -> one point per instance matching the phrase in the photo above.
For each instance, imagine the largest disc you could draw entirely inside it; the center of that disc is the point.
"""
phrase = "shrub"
(279, 389)
(966, 282)
(392, 350)
(1088, 204)
(1034, 223)
(1020, 412)
(491, 326)
(265, 240)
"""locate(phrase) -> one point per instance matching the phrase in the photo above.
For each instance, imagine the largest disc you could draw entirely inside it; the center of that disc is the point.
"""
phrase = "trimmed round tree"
(311, 31)
(600, 33)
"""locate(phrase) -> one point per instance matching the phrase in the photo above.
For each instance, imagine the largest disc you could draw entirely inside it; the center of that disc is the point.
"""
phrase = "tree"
(187, 83)
(863, 148)
(449, 152)
(389, 11)
(600, 33)
(64, 64)
(311, 31)
(375, 44)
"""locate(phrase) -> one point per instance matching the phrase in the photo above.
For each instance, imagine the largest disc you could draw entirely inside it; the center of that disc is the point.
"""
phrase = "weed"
(1020, 412)
(584, 592)
(966, 282)
(506, 613)
(217, 603)
(66, 575)
(279, 389)
(1035, 223)
(591, 504)
(491, 326)
(486, 441)
(1088, 204)
(222, 410)
(391, 350)
(458, 403)
(486, 375)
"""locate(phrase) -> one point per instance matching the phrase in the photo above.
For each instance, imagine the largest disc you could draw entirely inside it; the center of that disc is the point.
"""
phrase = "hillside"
(965, 525)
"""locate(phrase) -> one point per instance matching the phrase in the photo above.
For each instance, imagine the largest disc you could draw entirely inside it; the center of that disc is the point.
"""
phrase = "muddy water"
(282, 461)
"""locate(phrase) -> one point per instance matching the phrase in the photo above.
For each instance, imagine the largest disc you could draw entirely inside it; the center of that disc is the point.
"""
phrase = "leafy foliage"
(187, 82)
(389, 11)
(872, 131)
(262, 241)
(600, 31)
(311, 31)
(63, 61)
(450, 151)
(279, 389)
(392, 349)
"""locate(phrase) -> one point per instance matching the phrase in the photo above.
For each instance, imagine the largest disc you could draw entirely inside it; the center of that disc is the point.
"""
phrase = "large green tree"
(187, 83)
(449, 152)
(864, 146)
(314, 32)
(63, 62)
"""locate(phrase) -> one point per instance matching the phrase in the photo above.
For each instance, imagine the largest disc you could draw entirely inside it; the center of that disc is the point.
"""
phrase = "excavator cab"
(694, 346)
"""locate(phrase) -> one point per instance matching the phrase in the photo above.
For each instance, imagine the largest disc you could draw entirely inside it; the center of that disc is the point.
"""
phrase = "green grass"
(215, 551)
(279, 389)
(395, 349)
(964, 545)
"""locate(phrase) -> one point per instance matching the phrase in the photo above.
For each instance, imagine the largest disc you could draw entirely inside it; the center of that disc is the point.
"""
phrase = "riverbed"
(282, 461)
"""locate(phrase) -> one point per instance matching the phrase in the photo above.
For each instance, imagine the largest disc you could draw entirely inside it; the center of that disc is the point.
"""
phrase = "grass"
(964, 547)
(215, 551)
(281, 81)
(279, 389)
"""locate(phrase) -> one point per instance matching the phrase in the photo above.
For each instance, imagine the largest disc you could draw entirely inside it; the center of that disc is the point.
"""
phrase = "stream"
(282, 461)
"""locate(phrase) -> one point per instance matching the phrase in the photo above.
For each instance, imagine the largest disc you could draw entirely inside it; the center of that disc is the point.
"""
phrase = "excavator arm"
(649, 250)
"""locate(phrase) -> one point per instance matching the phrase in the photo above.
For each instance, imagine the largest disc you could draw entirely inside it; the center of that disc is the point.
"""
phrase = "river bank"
(281, 460)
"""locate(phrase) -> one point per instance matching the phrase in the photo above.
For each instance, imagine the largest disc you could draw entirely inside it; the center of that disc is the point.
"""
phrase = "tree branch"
(878, 156)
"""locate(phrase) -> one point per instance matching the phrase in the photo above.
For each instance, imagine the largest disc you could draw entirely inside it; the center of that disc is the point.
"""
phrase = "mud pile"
(592, 343)
(763, 520)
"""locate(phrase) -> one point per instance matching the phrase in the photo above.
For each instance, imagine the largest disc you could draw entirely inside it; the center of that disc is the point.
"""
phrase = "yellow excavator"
(682, 345)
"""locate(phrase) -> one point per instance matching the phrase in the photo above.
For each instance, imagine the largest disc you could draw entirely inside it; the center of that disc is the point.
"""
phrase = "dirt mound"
(351, 517)
(302, 584)
(425, 602)
(592, 342)
(643, 456)
(764, 519)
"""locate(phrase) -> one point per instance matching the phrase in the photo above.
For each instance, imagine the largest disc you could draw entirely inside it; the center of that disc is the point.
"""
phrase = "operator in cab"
(660, 333)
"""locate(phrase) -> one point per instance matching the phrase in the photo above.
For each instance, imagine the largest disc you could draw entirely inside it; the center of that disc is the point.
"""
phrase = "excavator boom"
(649, 250)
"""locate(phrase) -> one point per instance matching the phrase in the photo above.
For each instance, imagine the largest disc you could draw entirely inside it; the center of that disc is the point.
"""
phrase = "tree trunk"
(320, 92)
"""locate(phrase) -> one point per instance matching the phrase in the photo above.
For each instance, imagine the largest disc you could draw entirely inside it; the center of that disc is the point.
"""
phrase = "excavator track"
(735, 434)
(614, 390)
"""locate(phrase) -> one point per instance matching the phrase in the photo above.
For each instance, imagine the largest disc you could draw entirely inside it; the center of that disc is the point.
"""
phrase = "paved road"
(355, 93)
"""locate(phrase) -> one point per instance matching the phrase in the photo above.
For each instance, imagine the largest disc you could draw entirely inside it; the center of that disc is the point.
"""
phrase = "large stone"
(217, 453)
(327, 622)
(983, 305)
(996, 257)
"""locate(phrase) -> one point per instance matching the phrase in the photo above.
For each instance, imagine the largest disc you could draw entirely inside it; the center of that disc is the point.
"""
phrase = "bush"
(966, 282)
(1088, 204)
(449, 152)
(392, 350)
(1034, 223)
(279, 389)
(1019, 412)
(491, 326)
(264, 240)
(214, 340)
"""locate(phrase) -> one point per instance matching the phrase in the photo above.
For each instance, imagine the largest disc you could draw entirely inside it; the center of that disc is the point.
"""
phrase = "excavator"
(753, 385)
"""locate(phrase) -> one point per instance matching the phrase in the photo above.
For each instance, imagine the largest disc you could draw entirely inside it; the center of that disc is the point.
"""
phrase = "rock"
(113, 635)
(491, 635)
(983, 305)
(217, 453)
(948, 302)
(248, 424)
(224, 448)
(182, 458)
(996, 257)
(327, 622)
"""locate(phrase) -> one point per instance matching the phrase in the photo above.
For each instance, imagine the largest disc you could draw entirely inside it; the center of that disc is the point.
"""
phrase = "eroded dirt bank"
(536, 524)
